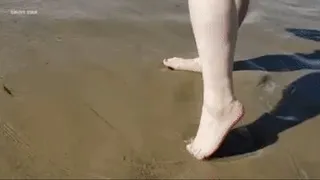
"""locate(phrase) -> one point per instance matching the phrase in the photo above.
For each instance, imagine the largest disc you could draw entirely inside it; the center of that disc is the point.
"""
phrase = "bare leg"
(194, 64)
(242, 10)
(215, 26)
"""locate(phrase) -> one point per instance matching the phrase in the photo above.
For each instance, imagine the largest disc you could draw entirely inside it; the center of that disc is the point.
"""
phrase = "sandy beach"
(85, 95)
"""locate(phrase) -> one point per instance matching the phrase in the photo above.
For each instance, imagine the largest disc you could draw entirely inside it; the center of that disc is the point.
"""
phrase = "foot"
(213, 128)
(183, 64)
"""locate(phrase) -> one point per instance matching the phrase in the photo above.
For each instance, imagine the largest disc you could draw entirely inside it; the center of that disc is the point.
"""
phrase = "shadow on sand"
(300, 101)
(281, 63)
(310, 34)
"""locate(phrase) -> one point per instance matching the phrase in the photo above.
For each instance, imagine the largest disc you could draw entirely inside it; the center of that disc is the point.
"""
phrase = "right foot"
(213, 128)
(183, 64)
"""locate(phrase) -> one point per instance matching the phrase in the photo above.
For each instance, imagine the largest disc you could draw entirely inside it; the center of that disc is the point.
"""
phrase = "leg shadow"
(309, 34)
(300, 102)
(285, 62)
(281, 63)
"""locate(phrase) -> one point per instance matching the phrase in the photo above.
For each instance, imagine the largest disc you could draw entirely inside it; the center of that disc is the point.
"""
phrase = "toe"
(189, 147)
(199, 155)
(168, 63)
(189, 141)
(165, 62)
(193, 150)
(196, 152)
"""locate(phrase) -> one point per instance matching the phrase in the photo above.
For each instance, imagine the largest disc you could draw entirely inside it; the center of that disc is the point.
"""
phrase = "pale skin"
(194, 64)
(215, 26)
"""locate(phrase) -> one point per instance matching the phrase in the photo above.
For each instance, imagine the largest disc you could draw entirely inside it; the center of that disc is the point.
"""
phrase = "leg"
(215, 27)
(194, 65)
(242, 10)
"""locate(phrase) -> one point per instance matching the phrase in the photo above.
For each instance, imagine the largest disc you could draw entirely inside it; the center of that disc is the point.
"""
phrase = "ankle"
(228, 109)
(219, 100)
(218, 105)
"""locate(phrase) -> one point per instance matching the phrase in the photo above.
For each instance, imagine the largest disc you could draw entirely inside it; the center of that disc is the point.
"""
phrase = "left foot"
(213, 128)
(183, 64)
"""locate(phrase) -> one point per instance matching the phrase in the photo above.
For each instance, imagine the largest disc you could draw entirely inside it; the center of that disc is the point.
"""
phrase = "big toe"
(171, 63)
(194, 151)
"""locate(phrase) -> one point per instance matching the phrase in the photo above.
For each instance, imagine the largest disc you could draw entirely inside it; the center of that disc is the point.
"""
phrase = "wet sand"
(84, 95)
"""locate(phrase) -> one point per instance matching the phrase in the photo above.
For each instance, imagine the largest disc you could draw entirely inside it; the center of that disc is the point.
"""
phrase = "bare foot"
(213, 128)
(183, 64)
